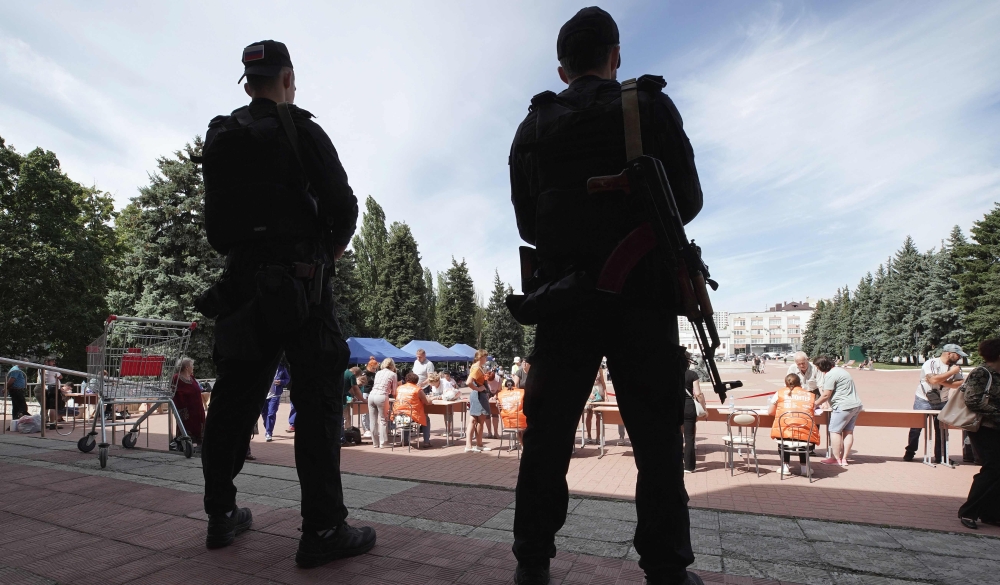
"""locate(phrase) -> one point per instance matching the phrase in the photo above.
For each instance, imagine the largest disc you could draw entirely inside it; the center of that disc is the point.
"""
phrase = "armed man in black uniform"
(565, 140)
(278, 205)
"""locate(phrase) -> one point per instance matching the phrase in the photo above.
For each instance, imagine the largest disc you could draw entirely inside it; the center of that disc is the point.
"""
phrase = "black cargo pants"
(639, 341)
(317, 356)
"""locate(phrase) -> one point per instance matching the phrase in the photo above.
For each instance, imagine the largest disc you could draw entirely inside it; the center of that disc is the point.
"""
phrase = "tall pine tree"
(979, 279)
(370, 246)
(457, 310)
(430, 301)
(173, 261)
(403, 313)
(503, 337)
(864, 312)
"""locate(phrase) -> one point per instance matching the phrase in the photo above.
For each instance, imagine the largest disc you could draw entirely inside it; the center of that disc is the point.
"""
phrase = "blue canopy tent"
(364, 347)
(464, 350)
(435, 351)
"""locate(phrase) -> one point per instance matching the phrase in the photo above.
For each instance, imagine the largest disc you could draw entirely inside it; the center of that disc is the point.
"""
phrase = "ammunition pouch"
(555, 298)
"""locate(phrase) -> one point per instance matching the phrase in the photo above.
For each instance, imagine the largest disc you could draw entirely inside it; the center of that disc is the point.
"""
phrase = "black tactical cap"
(597, 24)
(265, 58)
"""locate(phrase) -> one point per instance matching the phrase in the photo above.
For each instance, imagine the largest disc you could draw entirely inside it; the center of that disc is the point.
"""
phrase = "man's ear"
(562, 75)
(246, 88)
(286, 79)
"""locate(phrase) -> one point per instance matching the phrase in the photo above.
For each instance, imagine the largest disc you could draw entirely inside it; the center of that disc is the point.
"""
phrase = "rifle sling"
(630, 109)
(293, 136)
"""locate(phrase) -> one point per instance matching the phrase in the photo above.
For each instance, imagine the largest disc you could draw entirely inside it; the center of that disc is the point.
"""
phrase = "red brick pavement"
(877, 488)
(106, 531)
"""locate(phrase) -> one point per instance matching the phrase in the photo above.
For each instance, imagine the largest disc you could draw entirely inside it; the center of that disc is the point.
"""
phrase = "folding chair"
(404, 423)
(513, 435)
(745, 437)
(796, 420)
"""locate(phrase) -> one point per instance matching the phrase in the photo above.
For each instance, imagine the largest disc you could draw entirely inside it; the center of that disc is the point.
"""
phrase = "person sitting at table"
(510, 401)
(187, 399)
(599, 393)
(411, 400)
(793, 398)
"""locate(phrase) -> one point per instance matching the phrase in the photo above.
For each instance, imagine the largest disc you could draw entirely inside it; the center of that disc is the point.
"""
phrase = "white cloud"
(817, 136)
(822, 140)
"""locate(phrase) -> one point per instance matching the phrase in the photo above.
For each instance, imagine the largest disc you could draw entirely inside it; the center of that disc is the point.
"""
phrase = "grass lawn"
(881, 366)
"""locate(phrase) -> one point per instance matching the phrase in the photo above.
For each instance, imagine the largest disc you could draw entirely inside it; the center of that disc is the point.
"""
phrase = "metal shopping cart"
(134, 362)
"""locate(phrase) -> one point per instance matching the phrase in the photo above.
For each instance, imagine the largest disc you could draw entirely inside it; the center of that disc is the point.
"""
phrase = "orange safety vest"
(796, 428)
(511, 403)
(408, 402)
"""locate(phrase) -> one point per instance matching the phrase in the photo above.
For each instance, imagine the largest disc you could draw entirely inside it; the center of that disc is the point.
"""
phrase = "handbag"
(699, 410)
(956, 414)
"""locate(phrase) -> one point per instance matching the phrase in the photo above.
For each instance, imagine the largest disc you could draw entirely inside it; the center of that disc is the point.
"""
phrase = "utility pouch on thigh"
(552, 299)
(236, 333)
(282, 299)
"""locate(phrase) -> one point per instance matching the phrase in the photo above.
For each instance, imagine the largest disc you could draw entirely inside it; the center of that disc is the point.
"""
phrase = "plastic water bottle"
(732, 404)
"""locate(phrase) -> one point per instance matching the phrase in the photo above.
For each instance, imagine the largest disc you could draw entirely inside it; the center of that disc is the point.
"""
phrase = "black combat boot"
(531, 575)
(317, 549)
(223, 529)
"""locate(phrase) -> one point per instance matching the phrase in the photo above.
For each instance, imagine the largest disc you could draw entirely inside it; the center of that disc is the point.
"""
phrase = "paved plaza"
(445, 516)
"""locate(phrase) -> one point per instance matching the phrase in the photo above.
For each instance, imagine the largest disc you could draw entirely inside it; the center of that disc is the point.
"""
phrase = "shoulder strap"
(630, 109)
(293, 136)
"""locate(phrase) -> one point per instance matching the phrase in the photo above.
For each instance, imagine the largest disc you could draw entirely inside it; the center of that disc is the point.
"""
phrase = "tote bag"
(956, 414)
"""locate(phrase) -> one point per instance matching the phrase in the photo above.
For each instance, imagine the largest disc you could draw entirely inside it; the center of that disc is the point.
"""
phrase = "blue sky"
(824, 133)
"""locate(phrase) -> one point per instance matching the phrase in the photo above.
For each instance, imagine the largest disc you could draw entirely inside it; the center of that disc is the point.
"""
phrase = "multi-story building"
(690, 341)
(778, 329)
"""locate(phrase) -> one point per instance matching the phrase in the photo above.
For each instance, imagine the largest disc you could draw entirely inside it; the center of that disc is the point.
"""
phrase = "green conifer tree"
(457, 310)
(979, 279)
(370, 246)
(864, 313)
(503, 337)
(430, 301)
(174, 262)
(403, 312)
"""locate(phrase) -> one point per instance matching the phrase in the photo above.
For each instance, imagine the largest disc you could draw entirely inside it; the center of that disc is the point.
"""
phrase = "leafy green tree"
(169, 250)
(370, 247)
(979, 278)
(347, 295)
(430, 301)
(503, 337)
(457, 310)
(403, 312)
(57, 243)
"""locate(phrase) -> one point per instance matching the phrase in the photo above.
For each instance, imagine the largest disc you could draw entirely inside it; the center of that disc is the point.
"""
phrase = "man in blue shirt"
(16, 385)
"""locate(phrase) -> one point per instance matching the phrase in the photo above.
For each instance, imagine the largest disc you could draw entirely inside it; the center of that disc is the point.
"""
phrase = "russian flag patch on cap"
(254, 53)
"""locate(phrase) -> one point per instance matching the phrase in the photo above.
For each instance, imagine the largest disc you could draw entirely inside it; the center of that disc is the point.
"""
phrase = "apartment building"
(777, 329)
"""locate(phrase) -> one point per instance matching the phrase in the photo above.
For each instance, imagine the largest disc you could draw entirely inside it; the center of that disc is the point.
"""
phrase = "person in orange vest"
(792, 398)
(511, 403)
(410, 400)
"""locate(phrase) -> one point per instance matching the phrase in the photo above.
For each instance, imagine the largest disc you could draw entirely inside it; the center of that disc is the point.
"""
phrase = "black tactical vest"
(574, 230)
(255, 189)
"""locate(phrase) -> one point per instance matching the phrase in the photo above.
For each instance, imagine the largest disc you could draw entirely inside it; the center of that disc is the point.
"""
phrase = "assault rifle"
(646, 182)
